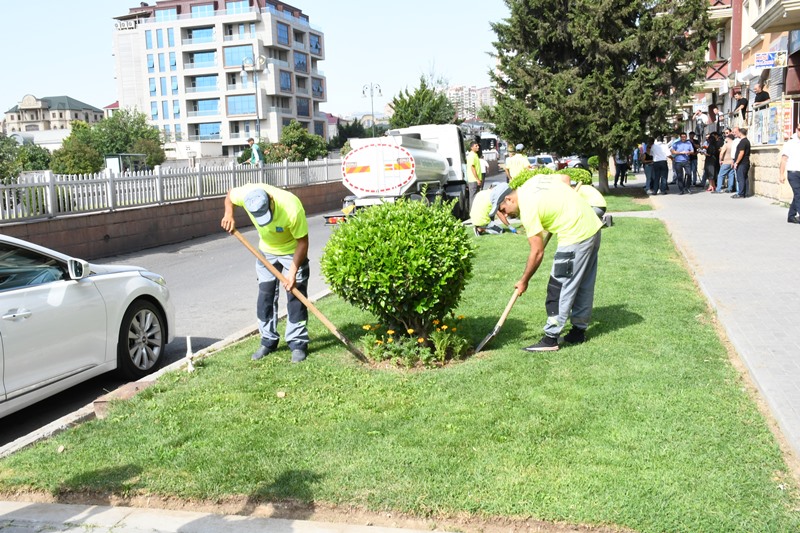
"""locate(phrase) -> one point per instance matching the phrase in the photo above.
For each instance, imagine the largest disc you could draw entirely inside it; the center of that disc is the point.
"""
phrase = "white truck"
(419, 162)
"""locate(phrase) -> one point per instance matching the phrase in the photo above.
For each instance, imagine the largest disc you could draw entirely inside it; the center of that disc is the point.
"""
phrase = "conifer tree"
(591, 77)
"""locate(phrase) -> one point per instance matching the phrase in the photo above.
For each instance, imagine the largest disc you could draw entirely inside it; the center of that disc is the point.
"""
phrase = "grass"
(646, 426)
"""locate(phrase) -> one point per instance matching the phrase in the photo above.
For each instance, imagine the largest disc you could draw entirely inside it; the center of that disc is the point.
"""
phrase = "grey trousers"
(296, 334)
(570, 291)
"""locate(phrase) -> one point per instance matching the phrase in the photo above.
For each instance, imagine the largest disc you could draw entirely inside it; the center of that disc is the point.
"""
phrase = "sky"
(60, 47)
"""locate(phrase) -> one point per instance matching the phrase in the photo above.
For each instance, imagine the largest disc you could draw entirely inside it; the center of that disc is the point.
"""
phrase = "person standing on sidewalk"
(282, 228)
(474, 173)
(726, 171)
(256, 157)
(693, 157)
(660, 172)
(790, 170)
(560, 210)
(741, 163)
(621, 167)
(516, 163)
(681, 151)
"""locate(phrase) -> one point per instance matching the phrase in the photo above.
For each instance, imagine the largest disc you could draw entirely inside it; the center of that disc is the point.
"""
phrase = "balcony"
(720, 10)
(202, 64)
(203, 113)
(778, 16)
(203, 89)
(207, 137)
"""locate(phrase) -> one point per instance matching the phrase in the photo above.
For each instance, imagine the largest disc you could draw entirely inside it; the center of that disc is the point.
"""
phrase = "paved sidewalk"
(21, 517)
(746, 257)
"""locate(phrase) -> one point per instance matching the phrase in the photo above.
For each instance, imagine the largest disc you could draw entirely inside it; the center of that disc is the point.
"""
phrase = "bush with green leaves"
(578, 175)
(406, 262)
(594, 163)
(527, 174)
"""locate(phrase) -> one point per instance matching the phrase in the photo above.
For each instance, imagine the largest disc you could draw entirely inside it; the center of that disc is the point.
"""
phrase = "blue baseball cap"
(257, 204)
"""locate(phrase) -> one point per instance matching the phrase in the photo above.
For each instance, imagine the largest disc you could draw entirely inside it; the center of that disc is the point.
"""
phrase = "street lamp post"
(372, 88)
(248, 63)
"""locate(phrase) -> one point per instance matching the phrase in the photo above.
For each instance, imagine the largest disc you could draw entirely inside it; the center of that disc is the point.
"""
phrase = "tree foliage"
(34, 157)
(10, 166)
(152, 149)
(426, 105)
(594, 77)
(118, 133)
(354, 129)
(76, 157)
(302, 144)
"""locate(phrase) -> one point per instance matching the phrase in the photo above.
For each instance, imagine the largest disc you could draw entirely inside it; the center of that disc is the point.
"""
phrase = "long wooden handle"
(299, 295)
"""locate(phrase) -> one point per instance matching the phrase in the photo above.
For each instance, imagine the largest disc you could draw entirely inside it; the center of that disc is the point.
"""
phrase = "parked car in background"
(543, 160)
(574, 161)
(65, 321)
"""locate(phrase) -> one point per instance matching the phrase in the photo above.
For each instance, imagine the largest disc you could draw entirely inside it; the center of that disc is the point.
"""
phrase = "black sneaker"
(575, 336)
(547, 344)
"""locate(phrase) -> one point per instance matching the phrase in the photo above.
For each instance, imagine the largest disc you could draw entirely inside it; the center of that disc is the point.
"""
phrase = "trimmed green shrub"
(405, 262)
(578, 175)
(527, 174)
(594, 163)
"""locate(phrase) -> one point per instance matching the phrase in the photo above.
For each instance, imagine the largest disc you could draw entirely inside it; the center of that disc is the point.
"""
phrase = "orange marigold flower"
(378, 342)
(444, 327)
(452, 329)
(390, 340)
(421, 340)
(366, 327)
(435, 322)
(410, 331)
(460, 317)
(390, 331)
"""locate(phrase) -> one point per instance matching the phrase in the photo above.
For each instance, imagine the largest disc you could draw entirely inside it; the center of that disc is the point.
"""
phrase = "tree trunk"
(602, 172)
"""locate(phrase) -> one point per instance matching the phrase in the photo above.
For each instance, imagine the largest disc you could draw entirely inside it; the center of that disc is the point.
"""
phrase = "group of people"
(725, 168)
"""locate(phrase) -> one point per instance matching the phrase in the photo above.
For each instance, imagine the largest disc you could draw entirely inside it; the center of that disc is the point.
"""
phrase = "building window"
(166, 14)
(170, 37)
(286, 81)
(150, 64)
(176, 109)
(286, 121)
(319, 128)
(317, 88)
(204, 59)
(154, 110)
(167, 133)
(300, 62)
(165, 109)
(205, 10)
(315, 44)
(303, 107)
(207, 107)
(238, 6)
(208, 131)
(178, 134)
(235, 55)
(152, 86)
(204, 83)
(162, 64)
(163, 86)
(283, 34)
(201, 35)
(173, 61)
(174, 82)
(242, 105)
(160, 38)
(148, 39)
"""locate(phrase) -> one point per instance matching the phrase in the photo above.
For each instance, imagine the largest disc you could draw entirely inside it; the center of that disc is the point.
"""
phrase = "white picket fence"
(48, 195)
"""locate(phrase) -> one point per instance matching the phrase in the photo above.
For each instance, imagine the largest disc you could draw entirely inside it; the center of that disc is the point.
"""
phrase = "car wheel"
(141, 340)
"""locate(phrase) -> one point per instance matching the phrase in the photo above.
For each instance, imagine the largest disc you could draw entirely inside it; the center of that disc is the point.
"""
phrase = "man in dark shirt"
(711, 166)
(740, 111)
(762, 96)
(741, 163)
(693, 157)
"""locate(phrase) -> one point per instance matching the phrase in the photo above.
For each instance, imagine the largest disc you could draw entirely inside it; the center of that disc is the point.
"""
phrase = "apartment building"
(221, 71)
(469, 99)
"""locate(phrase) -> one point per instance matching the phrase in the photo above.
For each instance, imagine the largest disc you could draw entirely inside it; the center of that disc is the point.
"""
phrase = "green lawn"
(647, 426)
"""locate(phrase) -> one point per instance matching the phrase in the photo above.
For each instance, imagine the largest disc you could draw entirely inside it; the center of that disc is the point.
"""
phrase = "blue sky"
(59, 47)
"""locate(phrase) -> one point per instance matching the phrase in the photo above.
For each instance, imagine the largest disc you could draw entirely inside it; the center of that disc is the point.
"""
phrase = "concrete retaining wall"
(110, 233)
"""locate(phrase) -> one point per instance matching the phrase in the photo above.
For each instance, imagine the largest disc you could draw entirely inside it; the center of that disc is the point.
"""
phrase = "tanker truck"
(420, 162)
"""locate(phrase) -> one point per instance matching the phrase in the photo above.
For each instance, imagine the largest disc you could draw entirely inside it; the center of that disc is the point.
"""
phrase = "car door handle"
(14, 314)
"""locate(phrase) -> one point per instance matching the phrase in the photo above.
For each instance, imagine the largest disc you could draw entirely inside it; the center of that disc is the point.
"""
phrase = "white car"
(65, 321)
(543, 160)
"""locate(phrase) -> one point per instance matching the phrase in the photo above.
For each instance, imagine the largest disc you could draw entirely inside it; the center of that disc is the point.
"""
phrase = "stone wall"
(112, 233)
(764, 165)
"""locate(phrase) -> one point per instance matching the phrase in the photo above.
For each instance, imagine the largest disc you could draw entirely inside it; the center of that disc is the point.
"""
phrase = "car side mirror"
(78, 268)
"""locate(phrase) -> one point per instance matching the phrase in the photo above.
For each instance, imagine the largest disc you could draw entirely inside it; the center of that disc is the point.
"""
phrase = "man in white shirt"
(734, 187)
(790, 169)
(660, 151)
